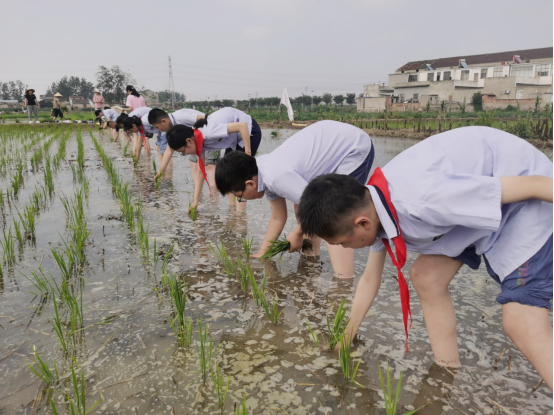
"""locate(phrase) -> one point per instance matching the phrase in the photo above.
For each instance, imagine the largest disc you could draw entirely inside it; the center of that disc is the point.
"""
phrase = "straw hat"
(97, 90)
(29, 89)
(57, 94)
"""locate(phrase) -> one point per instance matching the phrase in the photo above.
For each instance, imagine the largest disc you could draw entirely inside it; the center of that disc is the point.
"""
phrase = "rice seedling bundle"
(281, 245)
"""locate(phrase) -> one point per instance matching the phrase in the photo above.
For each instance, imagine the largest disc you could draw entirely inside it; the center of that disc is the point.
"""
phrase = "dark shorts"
(57, 112)
(255, 139)
(530, 284)
(361, 174)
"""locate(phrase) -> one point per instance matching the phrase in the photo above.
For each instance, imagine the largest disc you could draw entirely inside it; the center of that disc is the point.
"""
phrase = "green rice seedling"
(143, 236)
(271, 309)
(167, 258)
(79, 405)
(64, 266)
(125, 149)
(43, 371)
(18, 235)
(192, 212)
(220, 254)
(348, 370)
(154, 166)
(48, 180)
(257, 293)
(155, 254)
(73, 172)
(336, 329)
(40, 281)
(8, 245)
(29, 222)
(204, 348)
(58, 326)
(135, 160)
(1, 200)
(182, 326)
(315, 338)
(391, 401)
(247, 246)
(243, 274)
(219, 385)
(242, 409)
(281, 245)
(35, 201)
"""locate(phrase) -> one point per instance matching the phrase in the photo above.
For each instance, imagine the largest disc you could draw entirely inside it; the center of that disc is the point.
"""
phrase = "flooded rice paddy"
(125, 346)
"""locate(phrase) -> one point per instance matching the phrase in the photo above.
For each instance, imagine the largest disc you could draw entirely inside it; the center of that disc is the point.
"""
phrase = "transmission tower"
(171, 84)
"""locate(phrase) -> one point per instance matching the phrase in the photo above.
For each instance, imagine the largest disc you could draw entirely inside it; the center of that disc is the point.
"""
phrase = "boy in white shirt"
(323, 147)
(111, 117)
(452, 198)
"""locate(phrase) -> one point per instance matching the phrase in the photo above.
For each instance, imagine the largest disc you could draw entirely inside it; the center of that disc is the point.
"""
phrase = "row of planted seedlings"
(336, 326)
(24, 219)
(68, 318)
(171, 285)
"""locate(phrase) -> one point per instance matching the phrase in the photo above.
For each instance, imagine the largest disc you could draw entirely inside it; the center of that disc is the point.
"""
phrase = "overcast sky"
(233, 48)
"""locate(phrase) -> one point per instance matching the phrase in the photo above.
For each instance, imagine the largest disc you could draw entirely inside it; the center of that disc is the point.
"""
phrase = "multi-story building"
(521, 75)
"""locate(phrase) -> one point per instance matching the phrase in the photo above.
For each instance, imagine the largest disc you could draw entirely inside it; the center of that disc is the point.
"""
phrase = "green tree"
(228, 102)
(112, 82)
(339, 99)
(537, 106)
(72, 86)
(327, 98)
(463, 106)
(351, 98)
(316, 99)
(477, 101)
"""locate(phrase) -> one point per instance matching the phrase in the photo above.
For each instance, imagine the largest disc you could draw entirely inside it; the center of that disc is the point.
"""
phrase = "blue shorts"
(361, 174)
(161, 142)
(530, 284)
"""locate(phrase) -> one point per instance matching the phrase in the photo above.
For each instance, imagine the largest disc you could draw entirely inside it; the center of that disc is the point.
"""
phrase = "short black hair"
(177, 135)
(233, 170)
(156, 115)
(97, 112)
(327, 201)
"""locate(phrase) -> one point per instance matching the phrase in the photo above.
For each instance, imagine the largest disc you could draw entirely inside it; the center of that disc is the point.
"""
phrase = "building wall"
(373, 104)
(495, 103)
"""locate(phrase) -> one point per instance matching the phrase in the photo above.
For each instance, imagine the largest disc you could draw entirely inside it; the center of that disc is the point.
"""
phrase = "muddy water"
(133, 363)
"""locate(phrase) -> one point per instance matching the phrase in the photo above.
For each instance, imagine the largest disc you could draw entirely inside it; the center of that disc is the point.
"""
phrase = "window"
(465, 75)
(438, 76)
(416, 97)
(483, 73)
(401, 97)
(412, 78)
(431, 76)
(542, 70)
(447, 76)
(525, 71)
(498, 72)
(476, 76)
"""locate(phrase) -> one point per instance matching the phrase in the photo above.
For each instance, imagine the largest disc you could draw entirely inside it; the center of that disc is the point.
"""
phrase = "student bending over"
(323, 147)
(456, 197)
(227, 128)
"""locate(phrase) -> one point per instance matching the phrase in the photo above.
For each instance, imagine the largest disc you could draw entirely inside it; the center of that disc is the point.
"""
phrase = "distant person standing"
(134, 102)
(134, 99)
(98, 100)
(57, 110)
(32, 105)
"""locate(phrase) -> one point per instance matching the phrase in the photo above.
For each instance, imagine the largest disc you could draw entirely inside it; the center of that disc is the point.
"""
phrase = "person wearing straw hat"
(32, 105)
(98, 100)
(57, 110)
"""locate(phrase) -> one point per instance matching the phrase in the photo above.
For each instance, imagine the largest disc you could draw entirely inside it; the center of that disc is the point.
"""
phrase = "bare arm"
(200, 117)
(198, 184)
(25, 102)
(365, 292)
(518, 188)
(275, 225)
(242, 129)
(168, 153)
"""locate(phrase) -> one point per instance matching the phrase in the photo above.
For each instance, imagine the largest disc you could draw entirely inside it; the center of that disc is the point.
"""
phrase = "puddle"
(133, 363)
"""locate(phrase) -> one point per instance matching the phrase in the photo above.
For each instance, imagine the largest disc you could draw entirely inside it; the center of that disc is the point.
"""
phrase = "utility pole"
(171, 84)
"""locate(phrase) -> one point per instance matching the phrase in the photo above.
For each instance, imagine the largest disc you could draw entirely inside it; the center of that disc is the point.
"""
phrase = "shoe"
(37, 122)
(30, 122)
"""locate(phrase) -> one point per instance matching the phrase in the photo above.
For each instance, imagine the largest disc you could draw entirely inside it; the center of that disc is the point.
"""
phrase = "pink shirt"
(98, 101)
(135, 102)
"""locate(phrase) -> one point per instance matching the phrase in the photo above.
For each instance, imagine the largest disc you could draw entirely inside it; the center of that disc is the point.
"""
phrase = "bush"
(521, 128)
(477, 101)
(510, 108)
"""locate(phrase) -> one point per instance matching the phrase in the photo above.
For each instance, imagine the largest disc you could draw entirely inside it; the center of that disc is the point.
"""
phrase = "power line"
(171, 84)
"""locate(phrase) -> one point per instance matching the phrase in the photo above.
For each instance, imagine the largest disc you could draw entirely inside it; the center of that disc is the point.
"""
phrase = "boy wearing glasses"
(323, 147)
(452, 198)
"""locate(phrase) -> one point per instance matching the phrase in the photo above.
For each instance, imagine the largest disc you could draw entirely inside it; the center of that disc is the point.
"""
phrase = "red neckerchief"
(141, 130)
(199, 138)
(378, 180)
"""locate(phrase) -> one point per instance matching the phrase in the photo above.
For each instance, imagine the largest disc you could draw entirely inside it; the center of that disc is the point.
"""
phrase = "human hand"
(257, 254)
(193, 205)
(296, 240)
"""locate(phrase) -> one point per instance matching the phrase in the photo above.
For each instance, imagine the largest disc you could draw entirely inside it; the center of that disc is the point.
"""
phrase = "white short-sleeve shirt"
(446, 191)
(185, 117)
(215, 132)
(110, 114)
(140, 112)
(323, 147)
